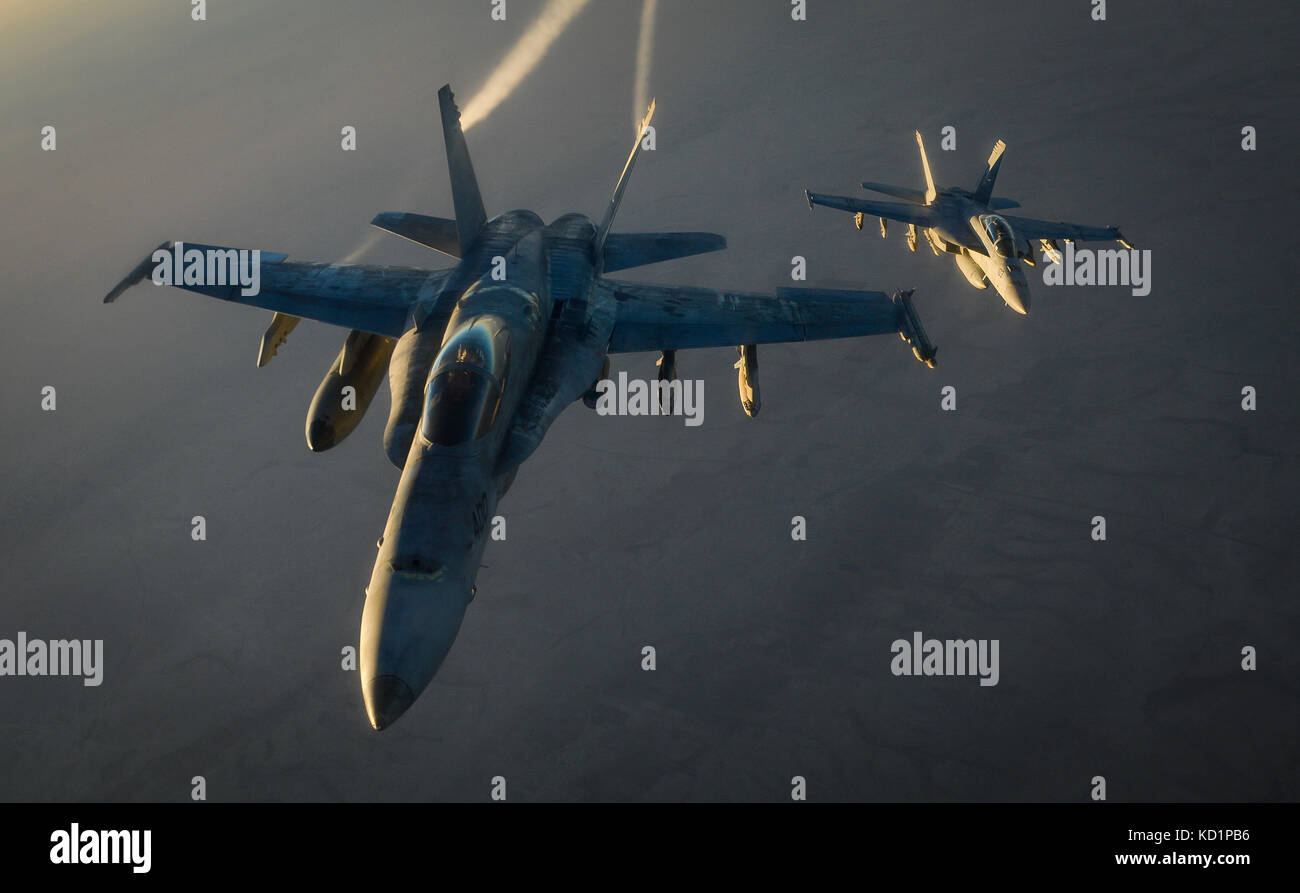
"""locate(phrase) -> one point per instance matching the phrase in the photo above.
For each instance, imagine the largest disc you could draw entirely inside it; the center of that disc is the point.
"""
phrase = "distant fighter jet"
(483, 357)
(988, 247)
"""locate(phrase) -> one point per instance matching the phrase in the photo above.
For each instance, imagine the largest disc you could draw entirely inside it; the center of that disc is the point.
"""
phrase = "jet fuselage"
(484, 407)
(984, 246)
(987, 246)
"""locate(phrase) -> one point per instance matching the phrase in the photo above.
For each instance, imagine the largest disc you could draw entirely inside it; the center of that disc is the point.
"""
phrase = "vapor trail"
(522, 59)
(370, 241)
(644, 54)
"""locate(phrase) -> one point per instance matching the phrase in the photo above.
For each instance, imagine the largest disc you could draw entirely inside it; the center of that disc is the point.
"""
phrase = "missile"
(667, 364)
(747, 378)
(911, 330)
(276, 334)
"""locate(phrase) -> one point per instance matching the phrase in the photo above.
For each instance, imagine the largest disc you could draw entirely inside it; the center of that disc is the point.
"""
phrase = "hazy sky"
(222, 658)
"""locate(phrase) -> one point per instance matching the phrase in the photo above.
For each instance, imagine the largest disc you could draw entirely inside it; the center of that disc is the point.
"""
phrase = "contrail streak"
(370, 241)
(521, 59)
(644, 54)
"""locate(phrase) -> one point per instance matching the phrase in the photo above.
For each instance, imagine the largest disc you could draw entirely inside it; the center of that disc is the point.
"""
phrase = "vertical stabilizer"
(930, 191)
(470, 215)
(617, 198)
(984, 189)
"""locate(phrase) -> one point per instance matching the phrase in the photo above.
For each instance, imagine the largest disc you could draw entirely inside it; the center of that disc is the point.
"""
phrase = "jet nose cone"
(387, 698)
(320, 436)
(408, 625)
(1018, 301)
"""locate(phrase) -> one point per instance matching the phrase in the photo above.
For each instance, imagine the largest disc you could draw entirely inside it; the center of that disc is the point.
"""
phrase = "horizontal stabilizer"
(1001, 204)
(909, 195)
(437, 233)
(626, 250)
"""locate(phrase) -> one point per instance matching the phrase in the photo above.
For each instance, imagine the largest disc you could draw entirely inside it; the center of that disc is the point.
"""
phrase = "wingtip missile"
(911, 330)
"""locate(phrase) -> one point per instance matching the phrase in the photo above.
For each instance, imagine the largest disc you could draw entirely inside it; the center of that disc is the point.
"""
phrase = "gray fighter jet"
(481, 359)
(987, 246)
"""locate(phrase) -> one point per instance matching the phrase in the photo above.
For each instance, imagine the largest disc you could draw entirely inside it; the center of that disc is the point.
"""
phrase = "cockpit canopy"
(999, 233)
(464, 390)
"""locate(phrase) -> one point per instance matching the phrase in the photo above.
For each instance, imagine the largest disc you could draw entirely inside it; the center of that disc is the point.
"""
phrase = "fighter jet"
(481, 358)
(987, 246)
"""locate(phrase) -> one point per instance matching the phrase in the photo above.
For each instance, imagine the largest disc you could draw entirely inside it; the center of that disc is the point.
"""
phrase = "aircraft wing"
(667, 317)
(1029, 228)
(918, 214)
(371, 299)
